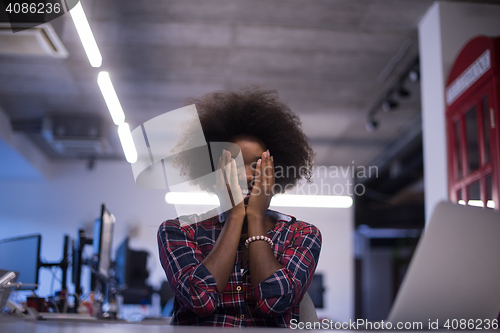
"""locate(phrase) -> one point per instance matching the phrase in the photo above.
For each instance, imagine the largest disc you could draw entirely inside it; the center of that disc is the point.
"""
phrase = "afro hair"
(253, 112)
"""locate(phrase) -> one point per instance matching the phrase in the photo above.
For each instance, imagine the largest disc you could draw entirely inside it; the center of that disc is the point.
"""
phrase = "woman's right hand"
(220, 261)
(227, 187)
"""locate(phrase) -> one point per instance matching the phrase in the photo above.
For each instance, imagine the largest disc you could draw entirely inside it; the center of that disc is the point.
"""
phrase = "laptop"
(455, 272)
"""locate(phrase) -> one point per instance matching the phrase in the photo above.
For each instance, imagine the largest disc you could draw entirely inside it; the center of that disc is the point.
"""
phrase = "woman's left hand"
(262, 191)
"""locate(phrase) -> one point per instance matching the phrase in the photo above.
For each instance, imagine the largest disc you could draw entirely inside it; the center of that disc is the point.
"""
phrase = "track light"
(389, 105)
(394, 95)
(371, 125)
(413, 75)
(403, 92)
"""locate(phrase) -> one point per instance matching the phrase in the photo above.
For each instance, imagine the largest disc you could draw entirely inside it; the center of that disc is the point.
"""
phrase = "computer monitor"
(78, 259)
(316, 290)
(22, 255)
(131, 274)
(103, 236)
(122, 262)
(131, 267)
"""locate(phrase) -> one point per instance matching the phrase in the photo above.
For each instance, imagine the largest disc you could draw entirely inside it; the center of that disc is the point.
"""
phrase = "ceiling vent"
(37, 41)
(80, 148)
(76, 135)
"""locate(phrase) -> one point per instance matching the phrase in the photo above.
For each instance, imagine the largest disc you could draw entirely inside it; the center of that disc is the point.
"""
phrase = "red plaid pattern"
(272, 303)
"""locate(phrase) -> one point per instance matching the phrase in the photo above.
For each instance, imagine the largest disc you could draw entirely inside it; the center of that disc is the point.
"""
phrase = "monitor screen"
(121, 258)
(103, 236)
(21, 255)
(131, 267)
(316, 290)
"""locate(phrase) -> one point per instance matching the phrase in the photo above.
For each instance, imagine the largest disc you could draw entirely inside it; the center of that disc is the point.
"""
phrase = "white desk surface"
(9, 324)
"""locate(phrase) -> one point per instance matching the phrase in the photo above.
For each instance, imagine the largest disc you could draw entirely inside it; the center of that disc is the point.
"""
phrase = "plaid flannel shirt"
(274, 302)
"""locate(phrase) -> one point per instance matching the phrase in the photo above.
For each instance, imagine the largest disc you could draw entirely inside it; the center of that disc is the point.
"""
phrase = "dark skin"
(259, 168)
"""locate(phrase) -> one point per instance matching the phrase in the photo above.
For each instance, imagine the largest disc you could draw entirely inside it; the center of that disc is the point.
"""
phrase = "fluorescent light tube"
(112, 101)
(127, 143)
(478, 203)
(286, 200)
(311, 201)
(191, 198)
(86, 36)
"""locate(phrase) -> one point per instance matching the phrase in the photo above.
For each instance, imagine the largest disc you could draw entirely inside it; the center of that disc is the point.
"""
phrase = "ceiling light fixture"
(371, 125)
(395, 60)
(86, 36)
(403, 92)
(192, 198)
(112, 101)
(127, 143)
(389, 105)
(311, 201)
(280, 200)
(414, 76)
(388, 101)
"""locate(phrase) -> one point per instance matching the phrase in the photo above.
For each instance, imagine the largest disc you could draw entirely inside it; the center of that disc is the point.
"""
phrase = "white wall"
(71, 199)
(336, 262)
(443, 31)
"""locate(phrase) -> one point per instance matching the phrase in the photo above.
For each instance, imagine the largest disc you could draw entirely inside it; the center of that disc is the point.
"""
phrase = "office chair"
(307, 311)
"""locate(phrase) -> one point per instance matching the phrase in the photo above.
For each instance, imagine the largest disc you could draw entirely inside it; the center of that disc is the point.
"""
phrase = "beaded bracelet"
(256, 238)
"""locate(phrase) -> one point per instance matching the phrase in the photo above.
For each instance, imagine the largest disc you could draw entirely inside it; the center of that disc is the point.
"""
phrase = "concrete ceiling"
(322, 56)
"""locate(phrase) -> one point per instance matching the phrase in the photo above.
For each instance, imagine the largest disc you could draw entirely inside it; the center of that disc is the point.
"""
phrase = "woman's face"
(251, 150)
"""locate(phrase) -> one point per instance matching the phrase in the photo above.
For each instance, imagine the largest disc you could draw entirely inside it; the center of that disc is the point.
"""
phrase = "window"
(473, 152)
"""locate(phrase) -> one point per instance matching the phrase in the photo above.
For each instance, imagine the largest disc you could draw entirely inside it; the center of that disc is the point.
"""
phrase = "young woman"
(249, 266)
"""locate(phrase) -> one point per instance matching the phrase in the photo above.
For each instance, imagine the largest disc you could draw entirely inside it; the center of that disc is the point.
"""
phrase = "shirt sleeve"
(286, 287)
(181, 258)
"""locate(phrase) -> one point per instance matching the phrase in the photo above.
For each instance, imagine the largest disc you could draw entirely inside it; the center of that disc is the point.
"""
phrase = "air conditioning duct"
(69, 135)
(40, 40)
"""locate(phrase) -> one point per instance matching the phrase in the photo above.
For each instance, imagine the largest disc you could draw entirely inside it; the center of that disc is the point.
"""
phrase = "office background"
(324, 61)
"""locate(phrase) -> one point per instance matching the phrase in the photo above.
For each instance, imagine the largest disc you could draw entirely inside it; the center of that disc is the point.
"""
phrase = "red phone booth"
(472, 124)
